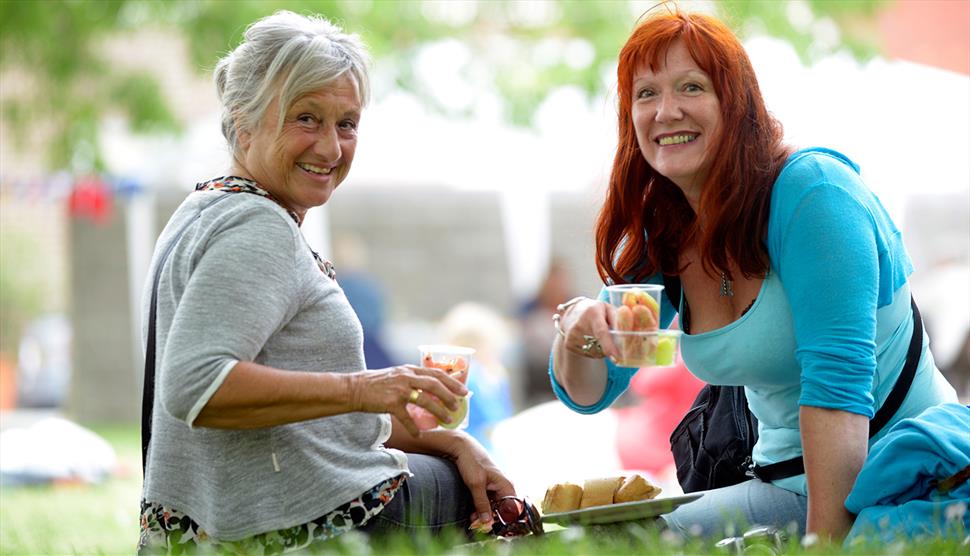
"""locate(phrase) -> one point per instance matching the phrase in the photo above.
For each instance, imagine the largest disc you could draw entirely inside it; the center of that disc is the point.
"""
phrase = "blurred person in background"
(794, 278)
(366, 295)
(479, 327)
(534, 317)
(944, 289)
(268, 432)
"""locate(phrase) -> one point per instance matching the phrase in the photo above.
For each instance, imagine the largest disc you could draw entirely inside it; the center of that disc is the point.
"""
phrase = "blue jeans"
(434, 498)
(728, 511)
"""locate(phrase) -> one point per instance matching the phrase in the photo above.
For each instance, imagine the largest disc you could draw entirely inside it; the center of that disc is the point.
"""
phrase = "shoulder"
(812, 167)
(258, 218)
(238, 229)
(817, 187)
(817, 175)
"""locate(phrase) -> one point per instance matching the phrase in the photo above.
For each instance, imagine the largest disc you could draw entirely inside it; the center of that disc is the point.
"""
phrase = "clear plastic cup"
(637, 306)
(456, 361)
(657, 348)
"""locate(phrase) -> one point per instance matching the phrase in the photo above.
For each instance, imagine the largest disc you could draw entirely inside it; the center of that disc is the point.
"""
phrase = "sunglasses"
(515, 517)
(759, 540)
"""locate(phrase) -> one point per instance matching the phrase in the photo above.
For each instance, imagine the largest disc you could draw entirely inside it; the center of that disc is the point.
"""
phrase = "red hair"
(736, 194)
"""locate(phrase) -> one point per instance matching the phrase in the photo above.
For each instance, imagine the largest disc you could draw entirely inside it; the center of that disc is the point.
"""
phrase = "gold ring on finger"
(414, 395)
(591, 344)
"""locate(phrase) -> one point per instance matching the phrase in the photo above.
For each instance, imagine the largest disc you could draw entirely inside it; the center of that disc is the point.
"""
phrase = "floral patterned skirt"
(169, 531)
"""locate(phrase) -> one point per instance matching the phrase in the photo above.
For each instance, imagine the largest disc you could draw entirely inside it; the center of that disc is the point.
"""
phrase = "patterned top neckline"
(237, 184)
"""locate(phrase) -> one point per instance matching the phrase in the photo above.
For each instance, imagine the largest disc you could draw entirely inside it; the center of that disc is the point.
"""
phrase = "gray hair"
(286, 54)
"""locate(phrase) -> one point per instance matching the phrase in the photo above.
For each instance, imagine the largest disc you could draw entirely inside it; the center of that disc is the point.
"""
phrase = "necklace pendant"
(727, 286)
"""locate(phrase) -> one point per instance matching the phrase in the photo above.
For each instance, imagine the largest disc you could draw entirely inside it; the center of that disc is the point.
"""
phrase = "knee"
(673, 523)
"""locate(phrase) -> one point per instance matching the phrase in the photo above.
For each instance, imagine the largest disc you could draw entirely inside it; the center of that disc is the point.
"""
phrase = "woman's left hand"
(481, 476)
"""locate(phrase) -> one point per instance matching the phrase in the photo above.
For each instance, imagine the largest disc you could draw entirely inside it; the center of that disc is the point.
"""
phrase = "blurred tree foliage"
(520, 50)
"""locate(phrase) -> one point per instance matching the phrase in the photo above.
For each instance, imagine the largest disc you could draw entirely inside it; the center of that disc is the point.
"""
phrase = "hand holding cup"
(455, 361)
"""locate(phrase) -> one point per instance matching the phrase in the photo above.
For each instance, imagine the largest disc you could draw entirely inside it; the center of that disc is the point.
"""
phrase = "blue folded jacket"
(895, 494)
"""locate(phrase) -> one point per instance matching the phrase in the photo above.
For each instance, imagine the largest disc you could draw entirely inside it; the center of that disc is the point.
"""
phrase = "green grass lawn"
(103, 519)
(78, 519)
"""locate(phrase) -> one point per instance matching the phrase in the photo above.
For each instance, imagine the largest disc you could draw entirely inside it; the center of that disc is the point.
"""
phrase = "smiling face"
(303, 164)
(677, 117)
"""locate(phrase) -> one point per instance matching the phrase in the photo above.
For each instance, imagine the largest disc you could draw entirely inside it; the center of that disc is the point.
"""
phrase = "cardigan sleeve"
(825, 243)
(238, 288)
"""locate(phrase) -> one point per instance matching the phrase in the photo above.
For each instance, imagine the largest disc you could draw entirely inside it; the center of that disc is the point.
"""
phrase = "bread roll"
(635, 488)
(562, 497)
(599, 492)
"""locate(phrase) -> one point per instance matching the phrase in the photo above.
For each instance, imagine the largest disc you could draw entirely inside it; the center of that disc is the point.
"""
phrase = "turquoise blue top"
(831, 324)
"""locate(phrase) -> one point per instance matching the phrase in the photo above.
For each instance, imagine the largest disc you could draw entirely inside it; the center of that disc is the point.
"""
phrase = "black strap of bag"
(148, 390)
(796, 466)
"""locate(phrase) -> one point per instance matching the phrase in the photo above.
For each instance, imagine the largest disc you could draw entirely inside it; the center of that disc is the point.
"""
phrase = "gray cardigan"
(242, 285)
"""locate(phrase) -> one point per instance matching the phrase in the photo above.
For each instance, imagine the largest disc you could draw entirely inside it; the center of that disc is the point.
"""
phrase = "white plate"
(626, 511)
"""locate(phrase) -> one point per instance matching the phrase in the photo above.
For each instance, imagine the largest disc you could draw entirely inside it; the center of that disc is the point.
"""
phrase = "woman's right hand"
(581, 372)
(586, 319)
(390, 391)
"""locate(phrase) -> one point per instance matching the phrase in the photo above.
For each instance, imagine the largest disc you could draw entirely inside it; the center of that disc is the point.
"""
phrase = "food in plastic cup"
(453, 360)
(656, 348)
(637, 306)
(456, 361)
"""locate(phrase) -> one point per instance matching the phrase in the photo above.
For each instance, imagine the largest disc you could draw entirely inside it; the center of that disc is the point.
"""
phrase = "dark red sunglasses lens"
(509, 510)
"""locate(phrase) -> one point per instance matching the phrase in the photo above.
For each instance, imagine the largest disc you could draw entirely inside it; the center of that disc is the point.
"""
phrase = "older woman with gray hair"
(266, 430)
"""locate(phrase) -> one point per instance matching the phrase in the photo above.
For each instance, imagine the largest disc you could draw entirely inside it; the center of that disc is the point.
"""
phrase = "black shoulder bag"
(713, 442)
(148, 390)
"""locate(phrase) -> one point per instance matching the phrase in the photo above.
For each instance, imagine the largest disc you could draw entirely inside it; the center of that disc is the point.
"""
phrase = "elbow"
(183, 398)
(179, 399)
(175, 404)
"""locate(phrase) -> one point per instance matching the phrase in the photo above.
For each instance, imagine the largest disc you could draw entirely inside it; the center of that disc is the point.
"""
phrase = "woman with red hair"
(794, 278)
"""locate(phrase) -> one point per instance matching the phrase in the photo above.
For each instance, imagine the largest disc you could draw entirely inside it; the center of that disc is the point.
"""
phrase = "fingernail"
(485, 517)
(477, 526)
